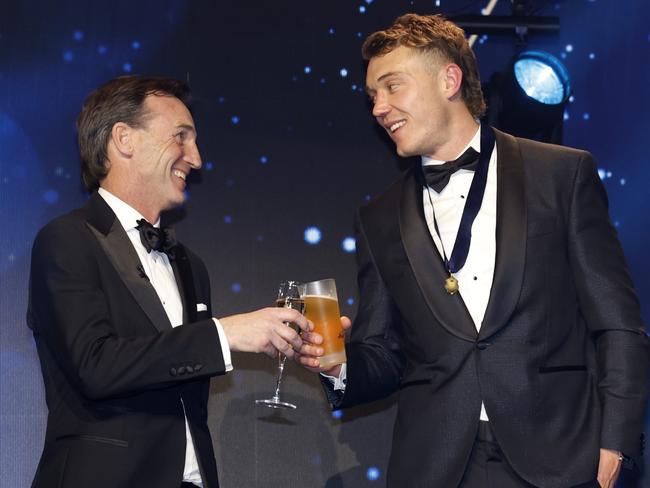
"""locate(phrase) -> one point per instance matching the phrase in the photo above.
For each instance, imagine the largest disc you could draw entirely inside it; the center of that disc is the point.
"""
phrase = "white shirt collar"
(475, 143)
(126, 214)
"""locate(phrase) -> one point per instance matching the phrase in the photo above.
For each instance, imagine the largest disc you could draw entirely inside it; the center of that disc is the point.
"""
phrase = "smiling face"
(411, 100)
(164, 153)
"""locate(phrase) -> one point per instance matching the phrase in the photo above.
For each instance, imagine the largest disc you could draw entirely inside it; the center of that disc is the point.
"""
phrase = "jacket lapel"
(185, 281)
(116, 244)
(427, 265)
(510, 235)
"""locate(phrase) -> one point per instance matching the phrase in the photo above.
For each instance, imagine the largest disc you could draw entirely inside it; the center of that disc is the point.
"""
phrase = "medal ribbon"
(472, 205)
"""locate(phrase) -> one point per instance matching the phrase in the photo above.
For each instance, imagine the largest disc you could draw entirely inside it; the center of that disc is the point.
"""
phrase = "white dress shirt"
(475, 277)
(161, 275)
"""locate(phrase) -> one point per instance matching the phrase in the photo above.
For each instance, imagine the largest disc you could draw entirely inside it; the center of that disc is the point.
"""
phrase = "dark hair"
(119, 100)
(435, 35)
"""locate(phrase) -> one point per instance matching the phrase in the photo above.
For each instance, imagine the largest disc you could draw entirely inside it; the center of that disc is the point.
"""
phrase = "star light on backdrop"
(373, 473)
(349, 244)
(312, 235)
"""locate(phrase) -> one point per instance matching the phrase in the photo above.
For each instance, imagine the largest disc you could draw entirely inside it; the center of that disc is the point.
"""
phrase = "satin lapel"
(427, 265)
(510, 235)
(185, 282)
(117, 246)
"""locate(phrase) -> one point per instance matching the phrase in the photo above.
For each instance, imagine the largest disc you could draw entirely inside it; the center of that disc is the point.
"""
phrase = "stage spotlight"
(527, 99)
(542, 77)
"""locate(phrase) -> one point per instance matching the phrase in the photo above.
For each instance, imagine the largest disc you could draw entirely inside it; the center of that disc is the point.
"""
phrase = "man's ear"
(122, 138)
(452, 79)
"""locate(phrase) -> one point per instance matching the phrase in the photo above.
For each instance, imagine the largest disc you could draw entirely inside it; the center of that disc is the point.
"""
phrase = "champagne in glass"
(289, 297)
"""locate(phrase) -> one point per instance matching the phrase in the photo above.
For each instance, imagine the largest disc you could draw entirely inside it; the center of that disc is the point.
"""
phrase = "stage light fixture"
(542, 77)
(528, 97)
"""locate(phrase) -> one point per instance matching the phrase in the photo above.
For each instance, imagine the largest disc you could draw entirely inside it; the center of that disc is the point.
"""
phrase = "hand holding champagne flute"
(289, 296)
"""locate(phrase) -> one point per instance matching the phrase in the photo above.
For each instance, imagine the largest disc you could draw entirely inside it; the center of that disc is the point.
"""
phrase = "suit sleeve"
(375, 362)
(611, 310)
(71, 318)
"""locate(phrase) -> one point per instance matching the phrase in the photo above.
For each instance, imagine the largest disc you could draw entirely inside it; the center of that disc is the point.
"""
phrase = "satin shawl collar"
(113, 239)
(427, 264)
(510, 235)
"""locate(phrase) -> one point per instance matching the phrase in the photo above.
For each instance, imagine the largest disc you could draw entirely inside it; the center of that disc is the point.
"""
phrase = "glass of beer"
(322, 308)
(289, 297)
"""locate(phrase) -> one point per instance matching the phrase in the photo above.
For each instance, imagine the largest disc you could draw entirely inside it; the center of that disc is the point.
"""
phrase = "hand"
(266, 331)
(609, 467)
(307, 356)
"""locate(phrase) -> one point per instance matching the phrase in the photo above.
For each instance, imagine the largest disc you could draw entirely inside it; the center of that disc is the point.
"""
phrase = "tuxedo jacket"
(561, 359)
(119, 380)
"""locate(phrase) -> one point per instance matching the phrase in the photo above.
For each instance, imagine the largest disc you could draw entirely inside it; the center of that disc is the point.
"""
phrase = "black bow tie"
(437, 175)
(161, 240)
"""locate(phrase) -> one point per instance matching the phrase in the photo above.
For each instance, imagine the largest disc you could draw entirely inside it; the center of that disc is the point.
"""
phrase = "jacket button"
(197, 367)
(181, 370)
(189, 369)
(482, 345)
(173, 372)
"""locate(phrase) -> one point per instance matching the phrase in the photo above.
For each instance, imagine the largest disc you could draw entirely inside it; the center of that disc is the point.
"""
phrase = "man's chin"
(179, 200)
(404, 152)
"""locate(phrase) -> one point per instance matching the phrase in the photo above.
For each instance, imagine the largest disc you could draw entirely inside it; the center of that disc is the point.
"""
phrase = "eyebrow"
(389, 74)
(381, 78)
(187, 127)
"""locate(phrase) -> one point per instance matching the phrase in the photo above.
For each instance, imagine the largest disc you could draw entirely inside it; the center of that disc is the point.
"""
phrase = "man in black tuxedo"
(121, 312)
(494, 295)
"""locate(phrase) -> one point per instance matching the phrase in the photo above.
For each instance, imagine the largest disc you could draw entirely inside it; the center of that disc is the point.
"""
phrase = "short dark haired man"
(121, 311)
(494, 293)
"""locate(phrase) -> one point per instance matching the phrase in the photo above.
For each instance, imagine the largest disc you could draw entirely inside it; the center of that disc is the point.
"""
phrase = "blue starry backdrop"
(290, 150)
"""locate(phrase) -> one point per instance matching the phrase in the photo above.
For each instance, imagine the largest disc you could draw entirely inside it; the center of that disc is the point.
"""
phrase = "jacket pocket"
(94, 438)
(559, 369)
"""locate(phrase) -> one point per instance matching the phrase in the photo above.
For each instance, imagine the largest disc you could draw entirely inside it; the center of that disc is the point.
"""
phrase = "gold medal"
(451, 285)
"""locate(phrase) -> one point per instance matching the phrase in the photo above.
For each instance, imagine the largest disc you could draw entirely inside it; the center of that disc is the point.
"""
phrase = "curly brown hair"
(435, 35)
(119, 100)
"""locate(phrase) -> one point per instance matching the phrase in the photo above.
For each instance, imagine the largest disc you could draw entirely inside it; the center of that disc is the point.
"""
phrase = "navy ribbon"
(472, 204)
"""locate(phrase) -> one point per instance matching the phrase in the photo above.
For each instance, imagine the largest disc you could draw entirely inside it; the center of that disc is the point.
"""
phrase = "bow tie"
(437, 175)
(161, 240)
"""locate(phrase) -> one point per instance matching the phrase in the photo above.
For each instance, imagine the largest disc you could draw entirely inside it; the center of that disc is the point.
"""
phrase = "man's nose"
(193, 157)
(380, 107)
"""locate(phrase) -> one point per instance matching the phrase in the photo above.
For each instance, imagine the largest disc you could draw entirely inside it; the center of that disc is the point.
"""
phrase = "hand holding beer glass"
(322, 308)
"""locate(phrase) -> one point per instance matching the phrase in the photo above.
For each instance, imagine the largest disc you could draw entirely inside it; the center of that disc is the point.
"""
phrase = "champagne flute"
(288, 296)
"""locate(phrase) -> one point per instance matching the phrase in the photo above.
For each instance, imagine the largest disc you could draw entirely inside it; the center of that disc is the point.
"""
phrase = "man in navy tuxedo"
(494, 295)
(121, 311)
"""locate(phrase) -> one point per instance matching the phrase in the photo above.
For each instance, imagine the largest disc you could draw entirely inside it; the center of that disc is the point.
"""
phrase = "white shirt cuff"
(338, 383)
(225, 347)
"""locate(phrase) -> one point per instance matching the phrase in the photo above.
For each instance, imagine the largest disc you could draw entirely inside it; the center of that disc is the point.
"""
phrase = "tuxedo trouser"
(488, 467)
